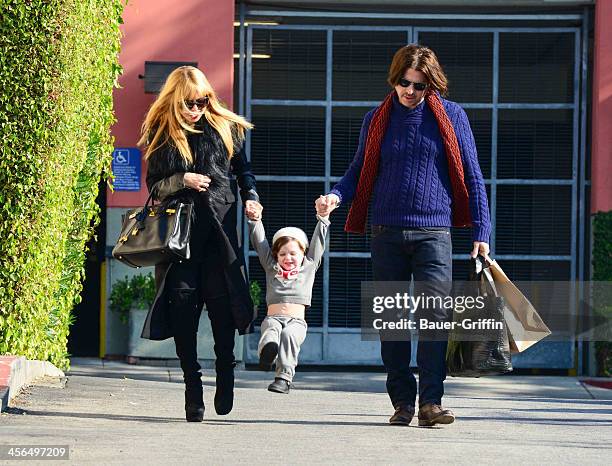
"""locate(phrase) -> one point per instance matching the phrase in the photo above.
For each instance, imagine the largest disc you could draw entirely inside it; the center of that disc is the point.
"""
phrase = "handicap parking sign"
(122, 157)
(126, 169)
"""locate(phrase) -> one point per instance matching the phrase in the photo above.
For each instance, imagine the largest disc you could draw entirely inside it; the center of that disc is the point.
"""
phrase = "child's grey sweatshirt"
(297, 289)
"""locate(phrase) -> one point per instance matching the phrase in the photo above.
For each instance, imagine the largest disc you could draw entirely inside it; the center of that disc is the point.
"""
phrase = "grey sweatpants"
(289, 333)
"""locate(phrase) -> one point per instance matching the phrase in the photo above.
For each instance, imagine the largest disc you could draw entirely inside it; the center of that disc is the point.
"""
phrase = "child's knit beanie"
(294, 233)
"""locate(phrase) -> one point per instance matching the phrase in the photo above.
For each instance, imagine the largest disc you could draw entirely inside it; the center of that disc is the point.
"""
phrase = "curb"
(17, 371)
(174, 363)
(599, 382)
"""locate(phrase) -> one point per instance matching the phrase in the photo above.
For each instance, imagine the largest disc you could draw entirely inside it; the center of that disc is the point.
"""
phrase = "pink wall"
(166, 30)
(601, 172)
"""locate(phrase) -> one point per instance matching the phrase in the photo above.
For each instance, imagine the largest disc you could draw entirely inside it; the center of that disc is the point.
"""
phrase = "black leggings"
(190, 284)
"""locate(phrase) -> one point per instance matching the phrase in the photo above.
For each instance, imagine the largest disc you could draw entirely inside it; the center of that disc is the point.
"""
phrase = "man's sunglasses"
(200, 103)
(417, 86)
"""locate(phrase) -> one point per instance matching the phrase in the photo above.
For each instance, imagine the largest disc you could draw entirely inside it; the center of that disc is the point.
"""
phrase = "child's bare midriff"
(287, 309)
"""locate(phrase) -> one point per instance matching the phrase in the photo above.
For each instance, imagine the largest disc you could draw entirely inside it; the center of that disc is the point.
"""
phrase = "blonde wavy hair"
(164, 120)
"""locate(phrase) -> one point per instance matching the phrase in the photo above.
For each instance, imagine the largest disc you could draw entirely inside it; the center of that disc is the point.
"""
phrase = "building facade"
(533, 78)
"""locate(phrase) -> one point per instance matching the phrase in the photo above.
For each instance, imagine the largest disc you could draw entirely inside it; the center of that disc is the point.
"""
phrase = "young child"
(290, 268)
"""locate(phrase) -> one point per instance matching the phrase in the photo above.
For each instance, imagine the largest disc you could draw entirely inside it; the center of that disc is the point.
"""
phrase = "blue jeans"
(425, 254)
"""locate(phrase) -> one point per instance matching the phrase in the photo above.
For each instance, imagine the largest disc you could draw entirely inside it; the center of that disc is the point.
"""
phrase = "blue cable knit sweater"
(413, 187)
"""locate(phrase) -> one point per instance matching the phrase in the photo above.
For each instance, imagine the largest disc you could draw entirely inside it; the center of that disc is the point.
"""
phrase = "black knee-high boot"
(194, 401)
(185, 339)
(194, 396)
(223, 333)
(224, 392)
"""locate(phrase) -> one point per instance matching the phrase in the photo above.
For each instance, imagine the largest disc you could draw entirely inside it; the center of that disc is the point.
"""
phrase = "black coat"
(216, 207)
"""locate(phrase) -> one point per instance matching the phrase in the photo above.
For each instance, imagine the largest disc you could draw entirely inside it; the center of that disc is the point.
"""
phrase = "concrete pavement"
(114, 413)
(17, 371)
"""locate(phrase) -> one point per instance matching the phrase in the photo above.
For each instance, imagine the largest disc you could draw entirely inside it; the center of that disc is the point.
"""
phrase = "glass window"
(538, 270)
(480, 122)
(345, 276)
(289, 64)
(289, 203)
(346, 126)
(361, 63)
(340, 241)
(534, 219)
(535, 144)
(467, 60)
(536, 67)
(288, 140)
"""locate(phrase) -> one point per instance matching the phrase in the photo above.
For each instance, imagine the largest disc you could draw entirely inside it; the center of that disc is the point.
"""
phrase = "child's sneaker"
(279, 386)
(268, 355)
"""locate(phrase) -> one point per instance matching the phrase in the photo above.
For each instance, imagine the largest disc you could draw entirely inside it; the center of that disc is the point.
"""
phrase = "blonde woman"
(193, 151)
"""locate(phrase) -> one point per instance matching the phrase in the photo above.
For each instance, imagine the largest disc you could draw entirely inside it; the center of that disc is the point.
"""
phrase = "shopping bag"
(525, 326)
(488, 353)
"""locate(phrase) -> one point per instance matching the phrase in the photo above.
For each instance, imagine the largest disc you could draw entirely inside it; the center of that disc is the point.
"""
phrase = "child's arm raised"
(257, 234)
(317, 242)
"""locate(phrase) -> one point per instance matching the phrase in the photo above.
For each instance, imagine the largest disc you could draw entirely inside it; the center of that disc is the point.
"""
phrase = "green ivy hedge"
(602, 271)
(58, 66)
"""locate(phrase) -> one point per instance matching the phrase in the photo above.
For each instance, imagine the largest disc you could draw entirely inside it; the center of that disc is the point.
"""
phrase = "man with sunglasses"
(416, 161)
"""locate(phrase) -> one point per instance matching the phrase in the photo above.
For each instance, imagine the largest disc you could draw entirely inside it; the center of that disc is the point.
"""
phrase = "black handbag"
(155, 234)
(490, 353)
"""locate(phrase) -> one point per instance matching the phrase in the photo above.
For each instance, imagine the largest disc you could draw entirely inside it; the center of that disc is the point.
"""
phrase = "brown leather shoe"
(402, 416)
(431, 414)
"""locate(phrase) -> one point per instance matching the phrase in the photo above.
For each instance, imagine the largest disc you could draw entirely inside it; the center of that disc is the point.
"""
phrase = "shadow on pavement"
(165, 420)
(309, 423)
(510, 397)
(565, 410)
(535, 420)
(116, 417)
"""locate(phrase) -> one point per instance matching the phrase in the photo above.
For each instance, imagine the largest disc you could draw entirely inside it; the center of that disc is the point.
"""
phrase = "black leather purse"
(155, 234)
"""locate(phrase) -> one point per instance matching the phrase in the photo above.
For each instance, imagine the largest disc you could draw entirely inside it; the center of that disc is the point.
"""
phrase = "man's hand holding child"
(325, 204)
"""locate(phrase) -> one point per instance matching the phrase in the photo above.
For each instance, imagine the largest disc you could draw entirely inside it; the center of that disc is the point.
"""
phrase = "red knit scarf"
(356, 219)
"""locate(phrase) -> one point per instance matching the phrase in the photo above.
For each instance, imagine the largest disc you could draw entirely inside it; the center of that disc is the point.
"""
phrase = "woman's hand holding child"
(253, 210)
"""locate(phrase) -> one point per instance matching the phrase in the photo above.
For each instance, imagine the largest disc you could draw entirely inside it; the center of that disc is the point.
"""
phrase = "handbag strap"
(145, 209)
(152, 191)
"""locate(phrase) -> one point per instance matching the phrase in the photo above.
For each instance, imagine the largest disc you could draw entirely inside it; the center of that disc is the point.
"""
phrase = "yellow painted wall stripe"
(102, 309)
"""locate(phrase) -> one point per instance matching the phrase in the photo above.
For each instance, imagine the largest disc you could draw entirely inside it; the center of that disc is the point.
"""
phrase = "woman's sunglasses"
(200, 103)
(417, 86)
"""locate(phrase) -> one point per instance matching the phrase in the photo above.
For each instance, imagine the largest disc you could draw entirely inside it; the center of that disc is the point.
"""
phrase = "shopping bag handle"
(484, 261)
(489, 277)
(482, 265)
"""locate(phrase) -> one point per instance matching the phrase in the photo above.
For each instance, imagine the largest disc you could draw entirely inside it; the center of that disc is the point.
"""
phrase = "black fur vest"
(210, 158)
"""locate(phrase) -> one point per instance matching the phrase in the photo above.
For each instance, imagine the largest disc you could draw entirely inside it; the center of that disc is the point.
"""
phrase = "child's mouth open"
(288, 265)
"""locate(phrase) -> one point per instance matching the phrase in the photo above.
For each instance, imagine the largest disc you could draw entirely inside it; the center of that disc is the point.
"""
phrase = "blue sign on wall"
(126, 168)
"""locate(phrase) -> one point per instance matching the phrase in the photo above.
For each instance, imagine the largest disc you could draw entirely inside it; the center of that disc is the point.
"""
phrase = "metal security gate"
(306, 87)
